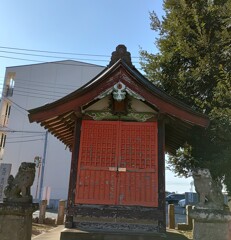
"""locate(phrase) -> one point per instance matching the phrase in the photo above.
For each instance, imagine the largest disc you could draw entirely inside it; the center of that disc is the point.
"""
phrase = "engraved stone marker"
(5, 169)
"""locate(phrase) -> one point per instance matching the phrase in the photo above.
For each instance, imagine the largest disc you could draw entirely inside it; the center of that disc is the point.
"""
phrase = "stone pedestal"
(211, 224)
(42, 211)
(61, 212)
(171, 216)
(16, 220)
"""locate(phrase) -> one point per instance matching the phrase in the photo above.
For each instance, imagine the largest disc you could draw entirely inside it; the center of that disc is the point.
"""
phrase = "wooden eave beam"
(64, 133)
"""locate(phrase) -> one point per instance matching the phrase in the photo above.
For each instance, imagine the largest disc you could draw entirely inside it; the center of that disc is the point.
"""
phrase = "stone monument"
(17, 207)
(211, 216)
(5, 169)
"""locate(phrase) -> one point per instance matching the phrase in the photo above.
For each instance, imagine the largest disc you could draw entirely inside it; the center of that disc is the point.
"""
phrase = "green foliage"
(194, 65)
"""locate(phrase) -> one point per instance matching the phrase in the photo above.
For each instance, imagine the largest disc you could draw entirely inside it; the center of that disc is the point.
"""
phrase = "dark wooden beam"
(73, 172)
(161, 172)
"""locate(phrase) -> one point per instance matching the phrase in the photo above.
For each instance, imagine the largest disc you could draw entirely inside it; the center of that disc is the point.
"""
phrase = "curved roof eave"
(139, 78)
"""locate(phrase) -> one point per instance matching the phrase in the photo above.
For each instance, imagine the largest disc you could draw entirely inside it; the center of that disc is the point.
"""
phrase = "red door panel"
(139, 184)
(118, 163)
(96, 183)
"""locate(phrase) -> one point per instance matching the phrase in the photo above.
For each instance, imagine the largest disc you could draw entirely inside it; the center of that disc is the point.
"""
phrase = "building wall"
(34, 86)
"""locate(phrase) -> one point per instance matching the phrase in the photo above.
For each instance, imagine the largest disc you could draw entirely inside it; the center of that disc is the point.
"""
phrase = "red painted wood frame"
(118, 163)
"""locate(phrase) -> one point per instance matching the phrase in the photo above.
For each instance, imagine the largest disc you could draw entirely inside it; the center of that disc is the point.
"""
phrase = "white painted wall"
(36, 85)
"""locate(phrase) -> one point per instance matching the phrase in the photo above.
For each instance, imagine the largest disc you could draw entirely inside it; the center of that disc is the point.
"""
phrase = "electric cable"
(42, 139)
(65, 53)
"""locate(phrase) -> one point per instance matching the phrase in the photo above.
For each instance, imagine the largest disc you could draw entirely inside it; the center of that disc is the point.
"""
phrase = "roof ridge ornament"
(121, 53)
(119, 91)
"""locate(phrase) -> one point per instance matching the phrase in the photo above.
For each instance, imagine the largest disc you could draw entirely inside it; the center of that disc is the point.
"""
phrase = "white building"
(27, 87)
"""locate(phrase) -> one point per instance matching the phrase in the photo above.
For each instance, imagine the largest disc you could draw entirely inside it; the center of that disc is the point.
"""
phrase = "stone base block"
(184, 227)
(16, 220)
(211, 224)
(211, 231)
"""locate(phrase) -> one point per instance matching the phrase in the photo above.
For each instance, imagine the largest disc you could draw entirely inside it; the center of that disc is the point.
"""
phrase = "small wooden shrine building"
(118, 127)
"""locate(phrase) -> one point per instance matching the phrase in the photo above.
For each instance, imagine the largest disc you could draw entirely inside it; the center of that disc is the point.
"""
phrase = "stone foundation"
(116, 218)
(16, 220)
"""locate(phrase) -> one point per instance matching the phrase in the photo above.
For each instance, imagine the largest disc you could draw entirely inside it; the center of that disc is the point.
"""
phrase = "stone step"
(74, 234)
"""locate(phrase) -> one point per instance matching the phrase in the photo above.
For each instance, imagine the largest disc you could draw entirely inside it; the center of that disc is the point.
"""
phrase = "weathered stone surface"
(211, 224)
(18, 187)
(16, 220)
(210, 215)
(125, 218)
(18, 208)
(189, 224)
(42, 211)
(5, 169)
(211, 231)
(61, 212)
(208, 190)
(171, 216)
(71, 234)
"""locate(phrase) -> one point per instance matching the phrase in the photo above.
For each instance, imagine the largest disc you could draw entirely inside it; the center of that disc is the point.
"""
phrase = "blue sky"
(87, 26)
(83, 27)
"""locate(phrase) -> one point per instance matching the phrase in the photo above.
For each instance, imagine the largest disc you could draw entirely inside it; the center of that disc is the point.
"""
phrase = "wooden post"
(42, 211)
(161, 173)
(61, 212)
(73, 174)
(171, 216)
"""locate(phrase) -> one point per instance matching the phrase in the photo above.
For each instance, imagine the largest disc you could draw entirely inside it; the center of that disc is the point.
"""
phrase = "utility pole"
(43, 166)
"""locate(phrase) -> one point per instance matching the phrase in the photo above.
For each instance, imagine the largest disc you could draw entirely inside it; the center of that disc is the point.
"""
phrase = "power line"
(59, 63)
(57, 57)
(19, 81)
(25, 131)
(25, 136)
(40, 94)
(16, 104)
(37, 89)
(55, 52)
(17, 94)
(42, 139)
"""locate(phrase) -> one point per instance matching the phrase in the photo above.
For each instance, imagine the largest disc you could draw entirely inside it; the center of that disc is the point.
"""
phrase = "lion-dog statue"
(209, 191)
(18, 187)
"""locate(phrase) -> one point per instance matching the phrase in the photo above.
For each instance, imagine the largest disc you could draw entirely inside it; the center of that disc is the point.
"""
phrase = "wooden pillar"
(161, 172)
(73, 173)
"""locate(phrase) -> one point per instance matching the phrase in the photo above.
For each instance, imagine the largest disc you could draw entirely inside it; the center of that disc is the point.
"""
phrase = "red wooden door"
(138, 179)
(118, 164)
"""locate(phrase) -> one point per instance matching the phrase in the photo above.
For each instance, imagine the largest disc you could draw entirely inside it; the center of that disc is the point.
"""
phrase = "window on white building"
(2, 144)
(3, 140)
(7, 114)
(10, 88)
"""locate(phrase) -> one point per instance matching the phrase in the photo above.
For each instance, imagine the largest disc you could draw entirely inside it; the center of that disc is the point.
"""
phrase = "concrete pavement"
(53, 234)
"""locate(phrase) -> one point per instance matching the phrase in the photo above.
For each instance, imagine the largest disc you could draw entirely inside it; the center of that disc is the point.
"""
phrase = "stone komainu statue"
(209, 191)
(18, 187)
